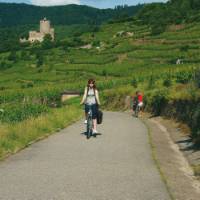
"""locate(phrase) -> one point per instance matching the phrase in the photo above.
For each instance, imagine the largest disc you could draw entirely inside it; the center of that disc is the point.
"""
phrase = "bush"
(134, 82)
(96, 43)
(47, 42)
(167, 82)
(27, 85)
(197, 78)
(4, 65)
(183, 77)
(151, 82)
(184, 48)
(104, 72)
(156, 30)
(196, 124)
(12, 56)
(159, 101)
(16, 113)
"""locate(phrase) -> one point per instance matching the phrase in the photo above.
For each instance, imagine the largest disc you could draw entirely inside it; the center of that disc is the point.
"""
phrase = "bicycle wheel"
(137, 110)
(89, 127)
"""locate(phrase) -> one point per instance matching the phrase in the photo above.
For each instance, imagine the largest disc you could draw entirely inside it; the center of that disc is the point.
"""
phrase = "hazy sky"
(94, 3)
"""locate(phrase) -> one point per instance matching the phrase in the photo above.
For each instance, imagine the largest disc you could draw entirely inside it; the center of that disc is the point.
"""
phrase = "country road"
(116, 165)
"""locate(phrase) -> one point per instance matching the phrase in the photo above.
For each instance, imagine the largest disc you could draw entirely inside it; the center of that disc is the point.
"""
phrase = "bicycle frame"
(137, 110)
(89, 122)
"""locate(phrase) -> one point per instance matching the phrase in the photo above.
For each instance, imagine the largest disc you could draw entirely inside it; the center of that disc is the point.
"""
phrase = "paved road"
(116, 165)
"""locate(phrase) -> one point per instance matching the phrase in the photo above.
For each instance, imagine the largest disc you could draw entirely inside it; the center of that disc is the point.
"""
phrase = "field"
(124, 57)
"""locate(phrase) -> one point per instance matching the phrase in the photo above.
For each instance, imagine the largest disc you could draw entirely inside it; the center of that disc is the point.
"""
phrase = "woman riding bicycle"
(91, 98)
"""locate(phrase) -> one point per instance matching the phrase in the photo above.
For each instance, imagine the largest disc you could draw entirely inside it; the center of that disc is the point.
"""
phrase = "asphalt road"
(116, 165)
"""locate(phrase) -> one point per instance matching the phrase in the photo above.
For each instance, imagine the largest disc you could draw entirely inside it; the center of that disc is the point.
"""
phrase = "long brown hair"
(91, 81)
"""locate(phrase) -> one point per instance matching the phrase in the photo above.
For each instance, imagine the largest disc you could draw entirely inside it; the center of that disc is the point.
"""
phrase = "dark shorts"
(94, 110)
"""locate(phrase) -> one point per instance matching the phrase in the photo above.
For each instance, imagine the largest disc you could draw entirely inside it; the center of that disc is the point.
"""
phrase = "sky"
(93, 3)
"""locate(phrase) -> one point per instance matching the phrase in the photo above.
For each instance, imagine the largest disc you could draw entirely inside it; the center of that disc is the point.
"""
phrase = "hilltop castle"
(45, 28)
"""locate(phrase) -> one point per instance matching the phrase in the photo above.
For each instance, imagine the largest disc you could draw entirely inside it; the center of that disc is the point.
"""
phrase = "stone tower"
(45, 28)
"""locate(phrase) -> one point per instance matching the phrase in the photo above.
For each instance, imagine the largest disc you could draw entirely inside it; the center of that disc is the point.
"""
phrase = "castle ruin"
(45, 28)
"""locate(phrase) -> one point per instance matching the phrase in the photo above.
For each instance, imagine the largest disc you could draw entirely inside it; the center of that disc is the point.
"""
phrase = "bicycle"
(136, 108)
(89, 122)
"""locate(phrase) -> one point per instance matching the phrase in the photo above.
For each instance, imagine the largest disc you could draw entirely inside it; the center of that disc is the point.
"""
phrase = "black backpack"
(99, 116)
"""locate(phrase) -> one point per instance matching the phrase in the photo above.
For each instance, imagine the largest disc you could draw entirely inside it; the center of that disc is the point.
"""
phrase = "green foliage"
(167, 82)
(96, 43)
(183, 77)
(23, 14)
(16, 113)
(196, 124)
(184, 48)
(151, 82)
(12, 56)
(4, 65)
(27, 85)
(104, 72)
(197, 78)
(134, 82)
(157, 29)
(158, 101)
(47, 42)
(24, 55)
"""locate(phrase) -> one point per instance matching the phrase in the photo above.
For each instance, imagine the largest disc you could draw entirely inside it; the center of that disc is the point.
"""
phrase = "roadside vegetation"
(123, 56)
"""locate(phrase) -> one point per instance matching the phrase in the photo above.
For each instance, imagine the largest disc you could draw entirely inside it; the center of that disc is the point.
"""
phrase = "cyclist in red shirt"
(140, 98)
(137, 101)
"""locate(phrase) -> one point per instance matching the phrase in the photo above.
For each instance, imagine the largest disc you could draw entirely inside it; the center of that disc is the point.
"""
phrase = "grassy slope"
(119, 61)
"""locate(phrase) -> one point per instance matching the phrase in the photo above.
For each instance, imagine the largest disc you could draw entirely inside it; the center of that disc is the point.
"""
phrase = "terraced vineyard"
(124, 57)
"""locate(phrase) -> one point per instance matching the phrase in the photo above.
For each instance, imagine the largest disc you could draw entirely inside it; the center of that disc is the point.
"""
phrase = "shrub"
(27, 85)
(197, 78)
(167, 82)
(183, 77)
(184, 48)
(96, 43)
(104, 72)
(47, 42)
(134, 82)
(4, 65)
(196, 124)
(151, 82)
(156, 30)
(19, 112)
(12, 56)
(159, 101)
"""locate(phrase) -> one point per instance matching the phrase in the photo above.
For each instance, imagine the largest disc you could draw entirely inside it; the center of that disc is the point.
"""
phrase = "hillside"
(172, 12)
(125, 56)
(12, 14)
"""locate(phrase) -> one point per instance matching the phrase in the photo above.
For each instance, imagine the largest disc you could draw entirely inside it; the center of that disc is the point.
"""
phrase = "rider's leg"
(86, 113)
(95, 125)
(94, 113)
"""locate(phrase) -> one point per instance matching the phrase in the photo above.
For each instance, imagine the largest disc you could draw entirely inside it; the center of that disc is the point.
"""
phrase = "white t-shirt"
(91, 99)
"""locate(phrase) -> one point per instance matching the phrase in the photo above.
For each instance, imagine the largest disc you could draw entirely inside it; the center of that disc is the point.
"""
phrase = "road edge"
(156, 161)
(173, 167)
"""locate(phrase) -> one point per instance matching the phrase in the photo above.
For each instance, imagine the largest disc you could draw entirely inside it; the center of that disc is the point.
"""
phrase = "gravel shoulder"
(174, 157)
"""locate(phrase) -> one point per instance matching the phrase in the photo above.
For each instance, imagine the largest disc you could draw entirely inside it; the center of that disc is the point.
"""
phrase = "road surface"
(116, 165)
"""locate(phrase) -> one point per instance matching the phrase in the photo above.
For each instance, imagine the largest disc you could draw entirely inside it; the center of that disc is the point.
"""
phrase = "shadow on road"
(93, 135)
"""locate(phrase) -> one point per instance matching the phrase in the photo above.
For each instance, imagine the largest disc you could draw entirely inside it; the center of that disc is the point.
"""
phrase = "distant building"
(45, 28)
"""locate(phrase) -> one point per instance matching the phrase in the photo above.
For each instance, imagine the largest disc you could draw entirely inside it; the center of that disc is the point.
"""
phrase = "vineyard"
(124, 57)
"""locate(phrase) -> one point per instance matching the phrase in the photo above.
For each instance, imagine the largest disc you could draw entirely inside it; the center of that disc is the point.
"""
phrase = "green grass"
(14, 137)
(150, 60)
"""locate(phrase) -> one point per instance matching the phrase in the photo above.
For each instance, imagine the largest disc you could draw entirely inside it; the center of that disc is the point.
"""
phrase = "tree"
(47, 42)
(12, 56)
